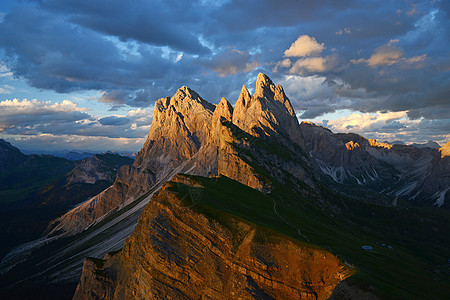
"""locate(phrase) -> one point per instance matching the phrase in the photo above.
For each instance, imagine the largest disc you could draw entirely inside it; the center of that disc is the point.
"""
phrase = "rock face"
(404, 172)
(445, 150)
(96, 168)
(191, 135)
(181, 128)
(178, 253)
(268, 112)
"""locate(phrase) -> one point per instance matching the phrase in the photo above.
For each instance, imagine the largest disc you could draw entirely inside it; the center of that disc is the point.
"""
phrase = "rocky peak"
(244, 99)
(264, 85)
(223, 110)
(268, 112)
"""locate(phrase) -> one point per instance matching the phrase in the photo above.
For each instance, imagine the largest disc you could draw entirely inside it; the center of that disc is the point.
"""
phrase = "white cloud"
(392, 126)
(33, 107)
(45, 142)
(6, 89)
(311, 64)
(346, 30)
(285, 63)
(304, 46)
(361, 123)
(4, 70)
(36, 121)
(25, 112)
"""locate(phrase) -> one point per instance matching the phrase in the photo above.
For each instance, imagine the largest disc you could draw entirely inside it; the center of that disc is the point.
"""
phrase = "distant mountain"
(429, 144)
(10, 156)
(78, 154)
(381, 172)
(35, 189)
(72, 155)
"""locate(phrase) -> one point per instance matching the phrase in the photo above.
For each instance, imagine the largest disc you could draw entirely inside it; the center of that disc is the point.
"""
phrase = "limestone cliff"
(268, 112)
(181, 128)
(178, 252)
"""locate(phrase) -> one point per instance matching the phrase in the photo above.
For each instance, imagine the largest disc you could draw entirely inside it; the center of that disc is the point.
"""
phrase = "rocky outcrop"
(346, 291)
(177, 252)
(445, 150)
(396, 171)
(96, 168)
(267, 113)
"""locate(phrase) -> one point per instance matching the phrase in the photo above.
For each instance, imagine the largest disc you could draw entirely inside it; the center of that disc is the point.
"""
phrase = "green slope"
(414, 268)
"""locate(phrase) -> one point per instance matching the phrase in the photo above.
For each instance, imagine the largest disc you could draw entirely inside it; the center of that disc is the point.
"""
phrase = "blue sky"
(85, 74)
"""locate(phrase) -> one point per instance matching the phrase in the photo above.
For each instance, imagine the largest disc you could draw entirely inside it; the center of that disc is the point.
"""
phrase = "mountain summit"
(190, 135)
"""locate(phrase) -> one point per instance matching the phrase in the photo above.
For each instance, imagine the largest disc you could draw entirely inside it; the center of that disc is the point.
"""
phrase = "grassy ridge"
(409, 270)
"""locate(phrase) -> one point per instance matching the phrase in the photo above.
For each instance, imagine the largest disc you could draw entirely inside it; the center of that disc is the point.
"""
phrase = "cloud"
(4, 70)
(36, 118)
(346, 30)
(46, 142)
(114, 121)
(26, 113)
(393, 126)
(310, 64)
(115, 97)
(230, 62)
(388, 55)
(6, 89)
(304, 46)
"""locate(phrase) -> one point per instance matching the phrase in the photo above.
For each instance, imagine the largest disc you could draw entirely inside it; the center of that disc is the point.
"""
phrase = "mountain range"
(34, 189)
(245, 202)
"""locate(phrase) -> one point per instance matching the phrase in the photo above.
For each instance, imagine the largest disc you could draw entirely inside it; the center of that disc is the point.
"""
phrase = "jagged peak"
(263, 80)
(223, 110)
(185, 98)
(244, 98)
(374, 143)
(224, 104)
(186, 93)
(279, 95)
(264, 86)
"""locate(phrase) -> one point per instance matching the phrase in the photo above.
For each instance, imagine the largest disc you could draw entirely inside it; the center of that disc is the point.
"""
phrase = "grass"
(418, 237)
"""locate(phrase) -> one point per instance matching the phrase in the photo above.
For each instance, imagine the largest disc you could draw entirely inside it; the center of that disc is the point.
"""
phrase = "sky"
(84, 75)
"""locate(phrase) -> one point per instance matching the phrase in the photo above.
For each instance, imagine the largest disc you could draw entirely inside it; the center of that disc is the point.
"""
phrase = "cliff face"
(181, 129)
(191, 135)
(178, 252)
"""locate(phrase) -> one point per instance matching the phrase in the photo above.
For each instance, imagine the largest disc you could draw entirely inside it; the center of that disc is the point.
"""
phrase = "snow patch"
(441, 198)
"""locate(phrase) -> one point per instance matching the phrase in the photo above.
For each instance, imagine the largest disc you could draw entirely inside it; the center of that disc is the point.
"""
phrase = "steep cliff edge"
(182, 249)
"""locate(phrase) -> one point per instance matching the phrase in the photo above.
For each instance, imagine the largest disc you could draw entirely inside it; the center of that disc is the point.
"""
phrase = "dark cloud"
(230, 62)
(158, 23)
(115, 97)
(114, 121)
